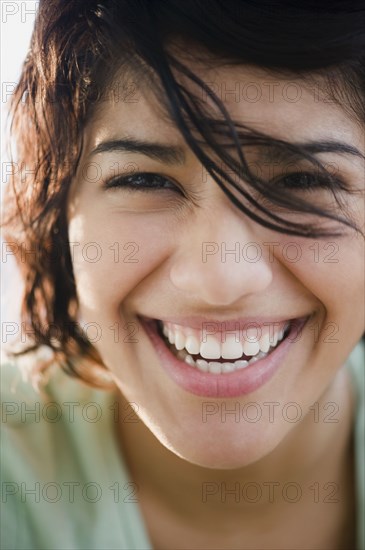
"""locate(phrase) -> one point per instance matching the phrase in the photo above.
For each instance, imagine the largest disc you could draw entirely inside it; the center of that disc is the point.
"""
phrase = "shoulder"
(356, 366)
(21, 393)
(59, 412)
(37, 419)
(59, 456)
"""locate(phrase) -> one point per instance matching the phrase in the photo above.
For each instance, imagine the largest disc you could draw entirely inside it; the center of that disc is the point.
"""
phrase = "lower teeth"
(214, 366)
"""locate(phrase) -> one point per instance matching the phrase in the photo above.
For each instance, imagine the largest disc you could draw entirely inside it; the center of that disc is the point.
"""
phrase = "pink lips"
(233, 384)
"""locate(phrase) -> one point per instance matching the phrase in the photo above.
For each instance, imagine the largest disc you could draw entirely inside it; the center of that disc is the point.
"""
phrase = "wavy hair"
(79, 50)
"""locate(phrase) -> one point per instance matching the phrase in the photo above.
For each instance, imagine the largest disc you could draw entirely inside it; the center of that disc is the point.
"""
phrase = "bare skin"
(171, 453)
(180, 513)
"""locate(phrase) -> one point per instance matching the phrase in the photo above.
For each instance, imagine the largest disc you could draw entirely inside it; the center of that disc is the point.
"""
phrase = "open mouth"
(213, 356)
(219, 364)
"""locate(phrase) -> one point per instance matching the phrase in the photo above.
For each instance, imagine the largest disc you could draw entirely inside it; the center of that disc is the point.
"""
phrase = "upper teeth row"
(226, 346)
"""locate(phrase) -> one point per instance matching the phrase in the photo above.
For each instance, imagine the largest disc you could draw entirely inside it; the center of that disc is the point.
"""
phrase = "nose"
(218, 260)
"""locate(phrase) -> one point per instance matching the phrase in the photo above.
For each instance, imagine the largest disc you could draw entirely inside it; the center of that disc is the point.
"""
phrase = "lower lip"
(233, 384)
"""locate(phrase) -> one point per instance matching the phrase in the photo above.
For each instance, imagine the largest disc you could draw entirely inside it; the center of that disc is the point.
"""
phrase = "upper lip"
(198, 322)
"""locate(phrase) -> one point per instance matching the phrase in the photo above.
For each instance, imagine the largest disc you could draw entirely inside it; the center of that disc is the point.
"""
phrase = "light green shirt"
(64, 482)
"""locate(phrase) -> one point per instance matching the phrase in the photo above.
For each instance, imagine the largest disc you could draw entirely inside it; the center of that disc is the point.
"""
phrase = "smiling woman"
(192, 189)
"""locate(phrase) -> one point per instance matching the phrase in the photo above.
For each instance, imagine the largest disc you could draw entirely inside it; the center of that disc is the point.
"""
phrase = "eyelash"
(142, 181)
(149, 181)
(318, 182)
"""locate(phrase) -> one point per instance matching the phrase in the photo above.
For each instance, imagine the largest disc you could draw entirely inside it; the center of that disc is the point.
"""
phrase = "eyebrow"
(279, 153)
(331, 146)
(167, 154)
(175, 155)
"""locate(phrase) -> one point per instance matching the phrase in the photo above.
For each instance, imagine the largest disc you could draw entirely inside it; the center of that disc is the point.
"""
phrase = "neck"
(313, 452)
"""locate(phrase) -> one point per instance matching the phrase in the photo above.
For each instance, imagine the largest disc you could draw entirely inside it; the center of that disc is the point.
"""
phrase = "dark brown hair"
(79, 49)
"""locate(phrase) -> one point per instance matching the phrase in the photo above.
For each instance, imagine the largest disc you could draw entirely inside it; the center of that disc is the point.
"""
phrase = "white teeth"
(202, 365)
(192, 345)
(254, 344)
(190, 361)
(231, 349)
(252, 335)
(211, 349)
(251, 348)
(274, 340)
(228, 367)
(265, 342)
(241, 364)
(215, 368)
(179, 340)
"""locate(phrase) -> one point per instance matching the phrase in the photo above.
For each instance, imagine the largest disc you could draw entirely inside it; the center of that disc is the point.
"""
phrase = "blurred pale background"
(17, 21)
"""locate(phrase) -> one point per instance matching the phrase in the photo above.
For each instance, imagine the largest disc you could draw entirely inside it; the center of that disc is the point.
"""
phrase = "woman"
(195, 214)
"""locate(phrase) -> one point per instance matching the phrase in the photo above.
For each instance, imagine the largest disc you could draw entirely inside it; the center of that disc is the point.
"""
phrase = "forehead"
(285, 108)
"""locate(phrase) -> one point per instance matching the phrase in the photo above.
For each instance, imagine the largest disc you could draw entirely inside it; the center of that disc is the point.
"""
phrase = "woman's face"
(182, 253)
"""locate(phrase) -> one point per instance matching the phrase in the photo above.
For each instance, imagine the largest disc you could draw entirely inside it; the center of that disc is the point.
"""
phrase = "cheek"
(333, 272)
(111, 255)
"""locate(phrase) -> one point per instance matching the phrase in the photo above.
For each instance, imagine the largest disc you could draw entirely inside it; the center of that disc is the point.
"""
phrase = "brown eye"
(307, 181)
(144, 181)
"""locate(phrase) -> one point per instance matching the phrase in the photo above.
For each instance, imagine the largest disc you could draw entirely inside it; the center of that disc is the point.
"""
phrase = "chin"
(221, 451)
